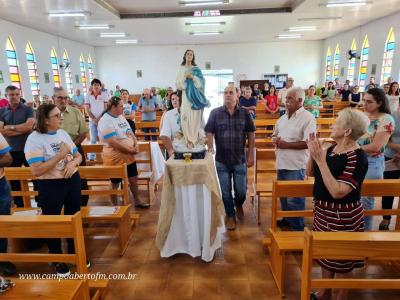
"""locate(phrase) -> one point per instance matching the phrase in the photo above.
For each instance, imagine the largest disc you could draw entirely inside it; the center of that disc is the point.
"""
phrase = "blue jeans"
(376, 167)
(5, 206)
(239, 175)
(93, 138)
(293, 203)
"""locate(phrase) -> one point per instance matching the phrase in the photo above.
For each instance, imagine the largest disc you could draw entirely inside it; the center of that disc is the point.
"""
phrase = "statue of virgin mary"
(191, 82)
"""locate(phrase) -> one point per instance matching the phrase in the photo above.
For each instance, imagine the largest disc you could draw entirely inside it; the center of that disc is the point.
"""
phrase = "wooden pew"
(24, 175)
(49, 227)
(282, 242)
(324, 126)
(122, 216)
(140, 125)
(262, 124)
(264, 164)
(348, 245)
(97, 149)
(48, 289)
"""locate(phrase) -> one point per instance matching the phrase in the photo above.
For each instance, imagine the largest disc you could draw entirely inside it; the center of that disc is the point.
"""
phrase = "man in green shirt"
(74, 124)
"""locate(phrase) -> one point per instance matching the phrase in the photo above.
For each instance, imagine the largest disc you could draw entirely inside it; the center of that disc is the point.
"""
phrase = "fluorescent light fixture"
(207, 33)
(69, 14)
(202, 2)
(346, 3)
(126, 41)
(320, 19)
(113, 34)
(289, 36)
(205, 23)
(302, 28)
(97, 26)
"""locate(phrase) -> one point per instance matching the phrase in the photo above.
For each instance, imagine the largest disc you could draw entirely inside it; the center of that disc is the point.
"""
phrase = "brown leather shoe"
(230, 223)
(239, 213)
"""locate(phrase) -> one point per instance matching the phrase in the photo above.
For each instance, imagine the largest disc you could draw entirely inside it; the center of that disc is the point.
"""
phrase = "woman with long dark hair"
(381, 127)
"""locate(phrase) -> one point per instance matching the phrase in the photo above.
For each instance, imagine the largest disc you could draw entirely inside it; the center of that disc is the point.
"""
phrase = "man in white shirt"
(290, 135)
(171, 124)
(282, 96)
(96, 102)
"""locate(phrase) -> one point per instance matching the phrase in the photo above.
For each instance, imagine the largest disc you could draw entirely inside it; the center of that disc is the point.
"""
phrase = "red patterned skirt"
(329, 216)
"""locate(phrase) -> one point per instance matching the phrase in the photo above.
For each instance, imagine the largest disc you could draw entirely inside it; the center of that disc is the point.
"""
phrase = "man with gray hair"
(148, 105)
(289, 137)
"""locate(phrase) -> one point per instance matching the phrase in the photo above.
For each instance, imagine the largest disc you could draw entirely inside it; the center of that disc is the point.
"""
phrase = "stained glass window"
(388, 56)
(328, 64)
(32, 69)
(352, 62)
(90, 68)
(68, 72)
(54, 68)
(83, 74)
(13, 65)
(336, 62)
(363, 64)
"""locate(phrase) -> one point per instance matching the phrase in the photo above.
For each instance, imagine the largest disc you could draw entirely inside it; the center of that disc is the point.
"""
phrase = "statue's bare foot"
(190, 145)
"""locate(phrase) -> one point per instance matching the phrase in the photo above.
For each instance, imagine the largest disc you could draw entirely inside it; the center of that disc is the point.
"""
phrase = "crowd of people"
(49, 138)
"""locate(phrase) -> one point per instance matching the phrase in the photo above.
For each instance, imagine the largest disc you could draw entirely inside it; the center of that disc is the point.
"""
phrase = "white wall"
(159, 64)
(41, 44)
(377, 33)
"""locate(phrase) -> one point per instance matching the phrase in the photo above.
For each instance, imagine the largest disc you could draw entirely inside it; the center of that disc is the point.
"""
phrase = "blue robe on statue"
(196, 96)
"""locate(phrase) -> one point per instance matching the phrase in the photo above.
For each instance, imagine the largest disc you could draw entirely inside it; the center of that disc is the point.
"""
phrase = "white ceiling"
(162, 31)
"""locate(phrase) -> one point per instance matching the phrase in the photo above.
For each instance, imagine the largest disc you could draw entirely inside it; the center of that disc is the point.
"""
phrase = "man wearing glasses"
(74, 124)
(16, 123)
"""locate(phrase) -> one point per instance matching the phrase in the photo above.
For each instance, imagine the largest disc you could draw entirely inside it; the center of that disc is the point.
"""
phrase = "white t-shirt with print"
(282, 96)
(108, 127)
(41, 147)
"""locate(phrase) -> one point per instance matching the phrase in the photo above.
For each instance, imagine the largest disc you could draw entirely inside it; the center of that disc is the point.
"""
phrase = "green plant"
(162, 93)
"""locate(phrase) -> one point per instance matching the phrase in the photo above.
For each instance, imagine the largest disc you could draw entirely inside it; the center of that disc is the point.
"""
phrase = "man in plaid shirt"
(230, 125)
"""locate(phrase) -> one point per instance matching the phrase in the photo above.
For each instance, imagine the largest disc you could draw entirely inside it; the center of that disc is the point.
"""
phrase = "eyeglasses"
(62, 98)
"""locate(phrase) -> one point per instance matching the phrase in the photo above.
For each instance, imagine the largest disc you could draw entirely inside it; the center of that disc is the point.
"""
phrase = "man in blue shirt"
(78, 99)
(248, 102)
(148, 105)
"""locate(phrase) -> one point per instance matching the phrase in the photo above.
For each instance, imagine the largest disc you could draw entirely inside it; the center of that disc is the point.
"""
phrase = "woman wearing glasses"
(54, 158)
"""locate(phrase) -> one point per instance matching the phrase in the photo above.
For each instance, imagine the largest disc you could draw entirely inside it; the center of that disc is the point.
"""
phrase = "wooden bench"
(49, 227)
(264, 164)
(145, 168)
(282, 242)
(348, 245)
(140, 125)
(96, 173)
(97, 149)
(48, 289)
(123, 217)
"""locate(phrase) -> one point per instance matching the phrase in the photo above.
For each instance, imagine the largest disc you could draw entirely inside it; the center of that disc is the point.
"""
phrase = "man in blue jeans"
(6, 268)
(230, 125)
(290, 135)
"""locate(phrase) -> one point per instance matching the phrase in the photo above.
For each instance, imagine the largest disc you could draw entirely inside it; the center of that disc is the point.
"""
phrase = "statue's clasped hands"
(189, 75)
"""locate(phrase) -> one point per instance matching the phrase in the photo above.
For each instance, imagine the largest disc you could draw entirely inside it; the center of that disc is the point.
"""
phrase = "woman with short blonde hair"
(339, 172)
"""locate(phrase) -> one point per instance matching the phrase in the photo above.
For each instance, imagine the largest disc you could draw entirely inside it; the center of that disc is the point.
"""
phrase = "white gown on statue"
(191, 120)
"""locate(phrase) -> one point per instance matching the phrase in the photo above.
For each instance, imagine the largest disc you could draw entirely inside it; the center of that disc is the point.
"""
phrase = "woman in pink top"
(3, 102)
(271, 101)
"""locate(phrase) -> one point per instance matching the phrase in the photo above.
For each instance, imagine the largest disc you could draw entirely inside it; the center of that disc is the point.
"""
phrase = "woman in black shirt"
(339, 172)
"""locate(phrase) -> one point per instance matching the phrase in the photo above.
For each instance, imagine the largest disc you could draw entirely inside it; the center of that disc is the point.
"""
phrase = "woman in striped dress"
(339, 172)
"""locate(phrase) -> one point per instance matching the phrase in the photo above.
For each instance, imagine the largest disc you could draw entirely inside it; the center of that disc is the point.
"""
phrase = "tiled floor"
(239, 271)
